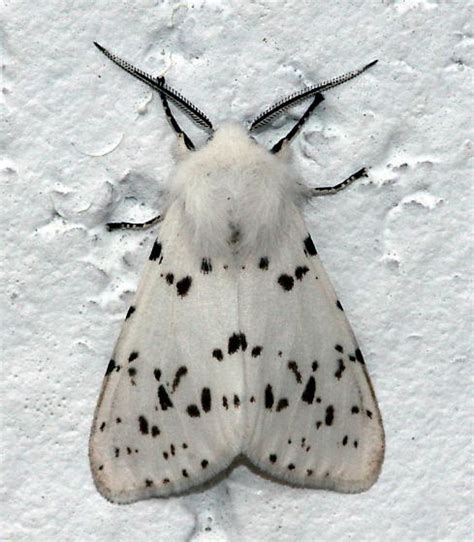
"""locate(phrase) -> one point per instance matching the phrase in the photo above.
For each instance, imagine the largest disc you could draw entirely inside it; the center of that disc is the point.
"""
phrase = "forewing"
(169, 414)
(311, 415)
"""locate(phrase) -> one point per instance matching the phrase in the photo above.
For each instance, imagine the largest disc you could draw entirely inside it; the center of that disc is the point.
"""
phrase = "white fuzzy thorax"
(237, 197)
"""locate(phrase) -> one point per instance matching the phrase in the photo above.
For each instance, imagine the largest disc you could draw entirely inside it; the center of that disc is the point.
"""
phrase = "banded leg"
(174, 124)
(329, 190)
(297, 127)
(111, 226)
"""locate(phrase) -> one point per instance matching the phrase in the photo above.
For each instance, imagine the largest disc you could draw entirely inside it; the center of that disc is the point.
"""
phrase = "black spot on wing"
(282, 404)
(263, 263)
(301, 271)
(169, 278)
(329, 415)
(344, 440)
(293, 366)
(132, 357)
(359, 356)
(269, 398)
(340, 369)
(206, 266)
(272, 458)
(183, 286)
(369, 413)
(130, 311)
(193, 411)
(339, 348)
(204, 463)
(286, 282)
(154, 431)
(182, 371)
(110, 367)
(164, 398)
(155, 251)
(225, 402)
(157, 374)
(309, 391)
(256, 351)
(236, 401)
(143, 425)
(132, 371)
(217, 353)
(314, 366)
(339, 306)
(206, 399)
(309, 246)
(236, 341)
(355, 410)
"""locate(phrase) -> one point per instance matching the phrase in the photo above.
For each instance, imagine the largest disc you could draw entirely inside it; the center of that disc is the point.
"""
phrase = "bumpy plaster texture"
(82, 143)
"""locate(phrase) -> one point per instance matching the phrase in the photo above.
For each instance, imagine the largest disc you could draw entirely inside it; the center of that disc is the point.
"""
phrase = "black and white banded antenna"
(283, 104)
(158, 84)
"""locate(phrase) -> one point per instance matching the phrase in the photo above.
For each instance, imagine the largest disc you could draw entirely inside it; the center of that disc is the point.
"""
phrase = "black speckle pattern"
(256, 351)
(355, 410)
(169, 278)
(314, 366)
(291, 466)
(155, 431)
(282, 404)
(309, 391)
(225, 402)
(204, 463)
(183, 286)
(310, 249)
(339, 348)
(301, 271)
(206, 266)
(263, 263)
(369, 413)
(272, 458)
(157, 374)
(236, 401)
(329, 415)
(155, 251)
(344, 440)
(130, 311)
(286, 282)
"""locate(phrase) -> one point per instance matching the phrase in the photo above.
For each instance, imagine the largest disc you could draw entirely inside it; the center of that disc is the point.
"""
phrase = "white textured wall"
(82, 142)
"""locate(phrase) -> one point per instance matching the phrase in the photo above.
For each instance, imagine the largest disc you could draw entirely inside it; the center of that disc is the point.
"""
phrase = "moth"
(236, 346)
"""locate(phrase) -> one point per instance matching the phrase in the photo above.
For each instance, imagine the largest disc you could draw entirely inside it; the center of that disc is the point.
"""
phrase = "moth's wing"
(169, 415)
(312, 416)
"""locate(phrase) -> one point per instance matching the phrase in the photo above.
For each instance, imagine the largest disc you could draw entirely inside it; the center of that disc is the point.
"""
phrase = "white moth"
(236, 345)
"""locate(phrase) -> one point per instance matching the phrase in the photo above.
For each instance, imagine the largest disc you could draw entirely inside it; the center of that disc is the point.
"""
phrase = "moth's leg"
(328, 190)
(297, 127)
(174, 124)
(132, 225)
